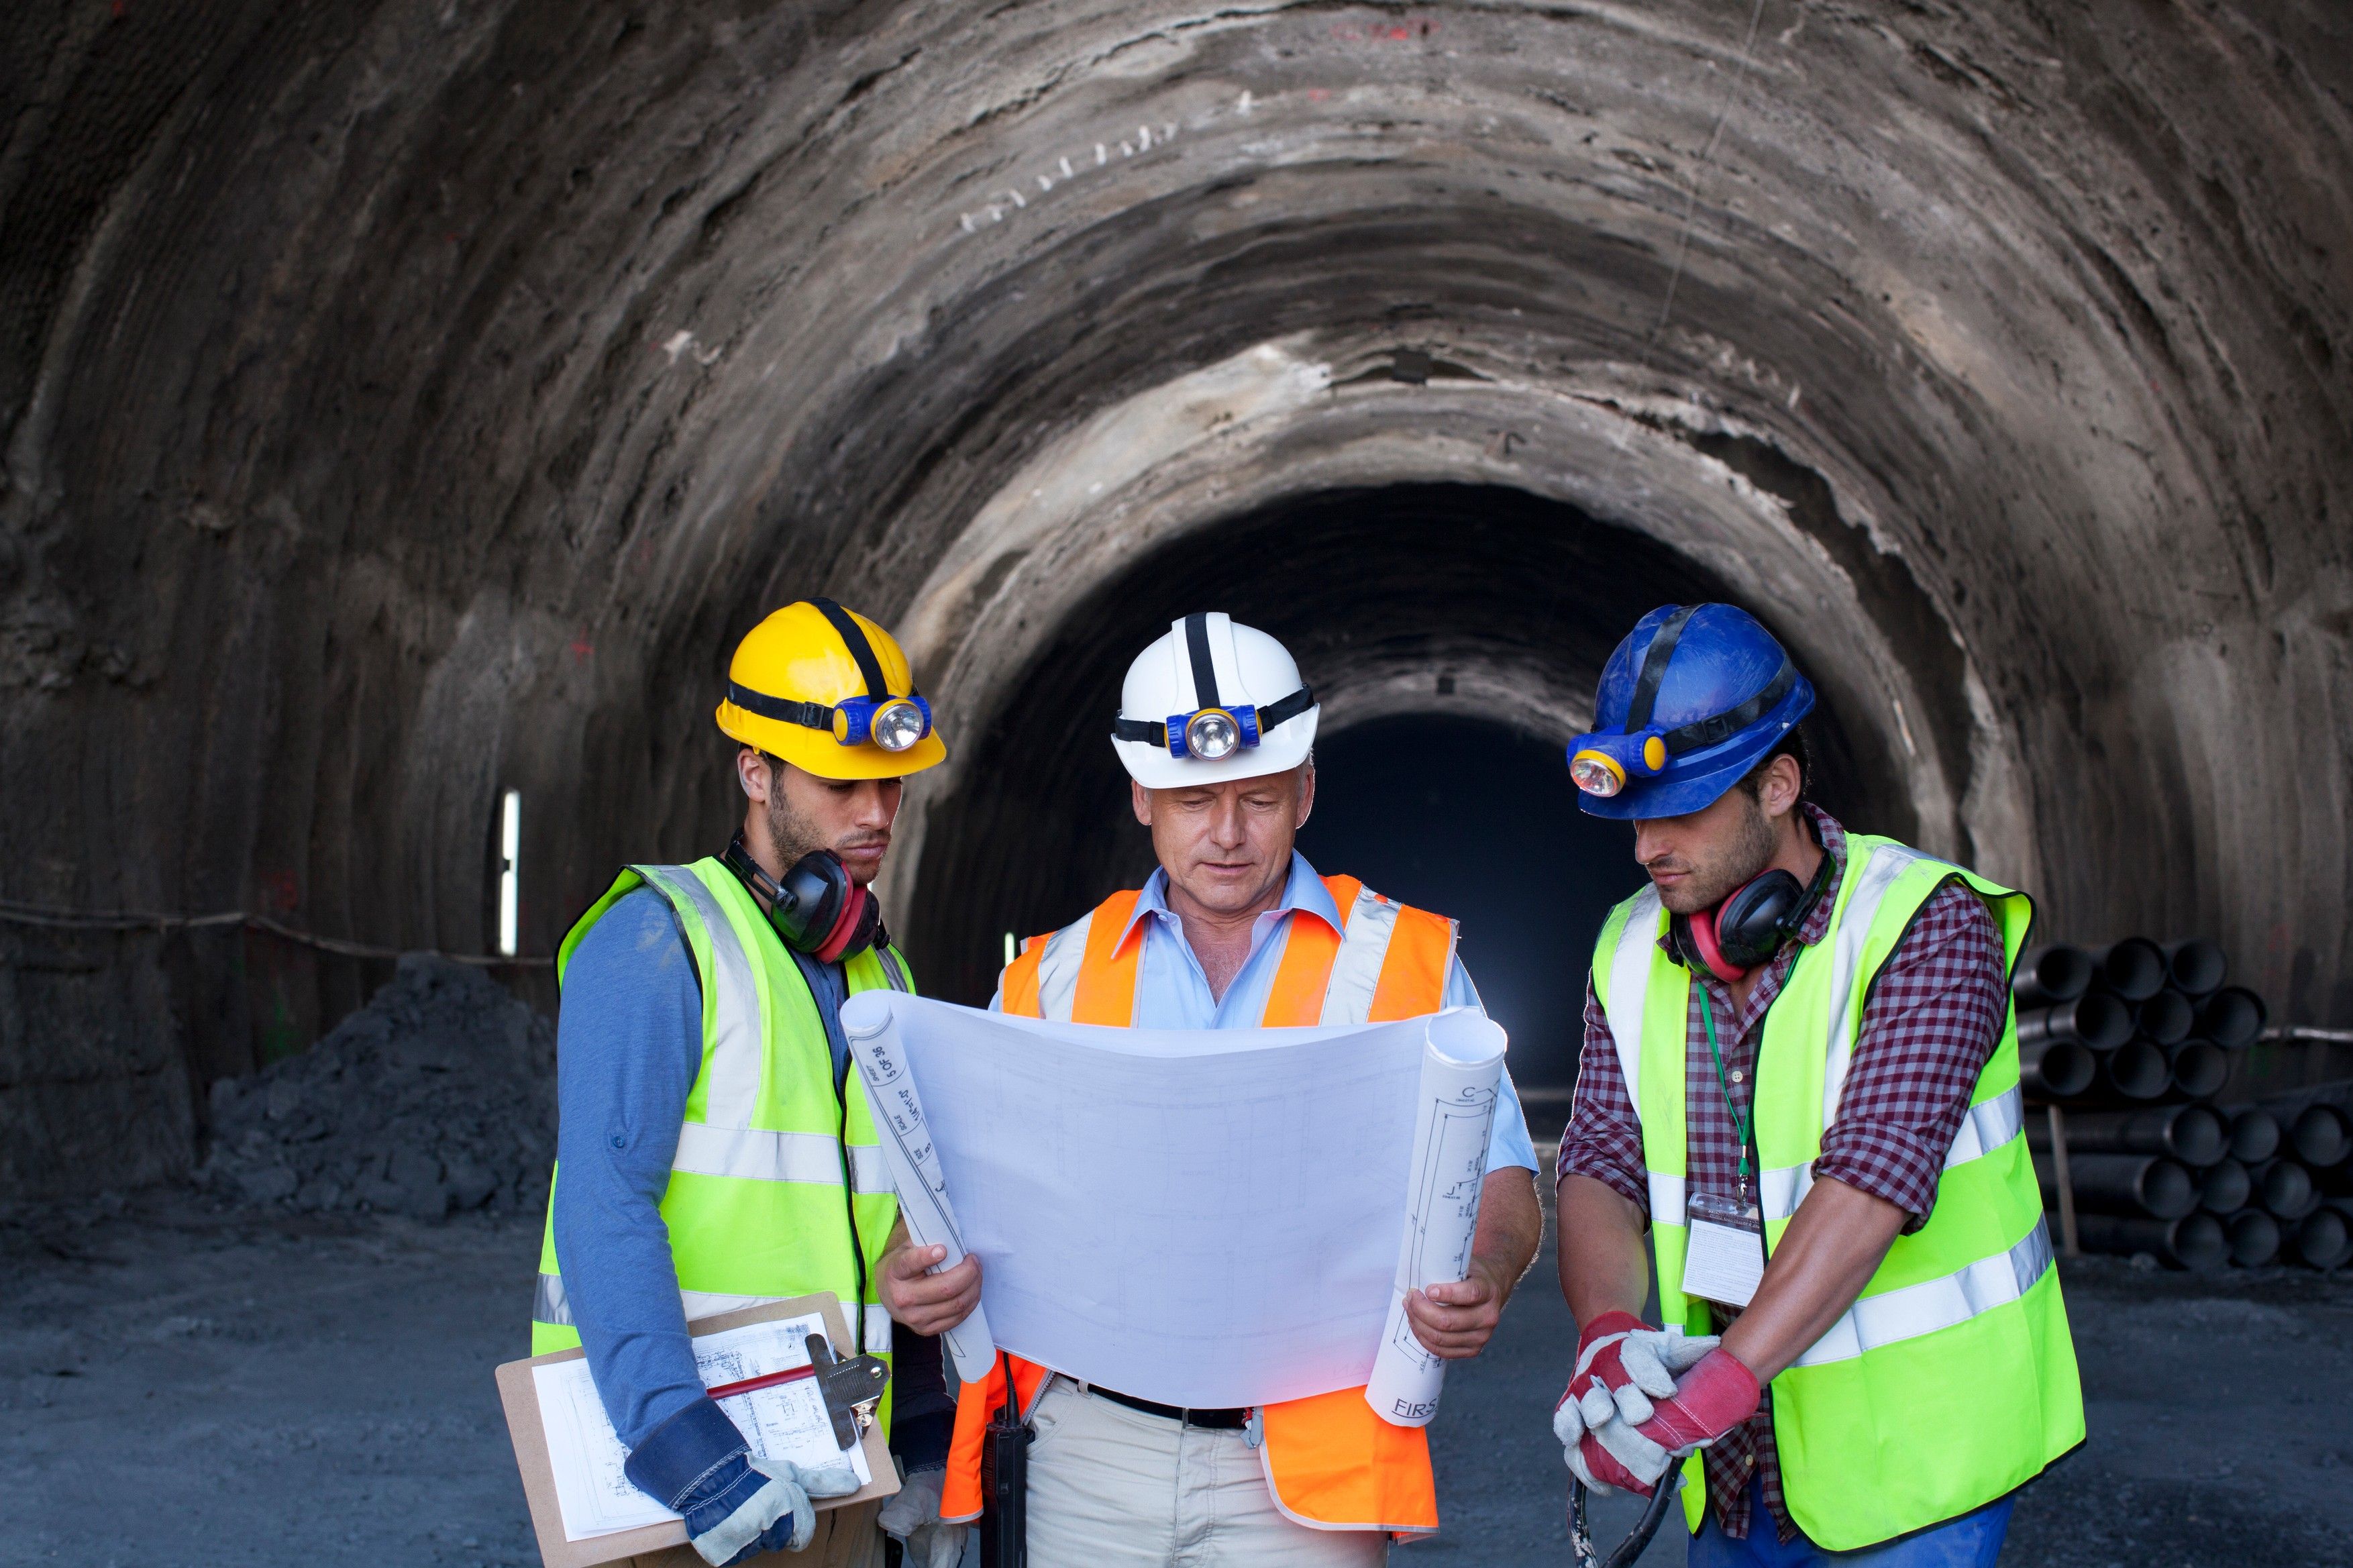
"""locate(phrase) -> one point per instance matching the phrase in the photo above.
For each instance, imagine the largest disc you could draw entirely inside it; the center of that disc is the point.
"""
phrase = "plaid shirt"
(1930, 1022)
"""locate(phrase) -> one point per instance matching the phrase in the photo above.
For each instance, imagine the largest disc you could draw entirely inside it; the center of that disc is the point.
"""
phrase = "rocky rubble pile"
(439, 1095)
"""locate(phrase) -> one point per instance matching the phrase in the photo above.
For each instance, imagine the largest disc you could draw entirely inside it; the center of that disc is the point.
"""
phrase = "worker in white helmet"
(1236, 930)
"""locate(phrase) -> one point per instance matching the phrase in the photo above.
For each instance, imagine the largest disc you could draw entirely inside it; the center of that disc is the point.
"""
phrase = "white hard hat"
(1212, 701)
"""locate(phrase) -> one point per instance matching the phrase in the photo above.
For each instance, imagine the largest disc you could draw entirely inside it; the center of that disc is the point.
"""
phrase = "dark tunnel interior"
(1474, 603)
(1480, 823)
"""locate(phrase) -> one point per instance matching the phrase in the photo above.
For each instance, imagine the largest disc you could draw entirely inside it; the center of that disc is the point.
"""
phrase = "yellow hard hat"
(830, 692)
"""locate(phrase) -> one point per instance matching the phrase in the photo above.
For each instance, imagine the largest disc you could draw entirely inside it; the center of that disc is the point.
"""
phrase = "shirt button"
(619, 1141)
(1738, 1077)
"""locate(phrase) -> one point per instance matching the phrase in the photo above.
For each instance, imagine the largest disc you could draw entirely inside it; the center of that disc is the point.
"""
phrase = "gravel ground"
(180, 1385)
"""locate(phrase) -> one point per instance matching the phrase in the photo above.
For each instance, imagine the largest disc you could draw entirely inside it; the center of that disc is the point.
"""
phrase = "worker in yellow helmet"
(713, 1151)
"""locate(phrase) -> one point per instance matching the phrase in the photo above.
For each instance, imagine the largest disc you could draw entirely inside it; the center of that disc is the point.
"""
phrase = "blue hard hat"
(1687, 704)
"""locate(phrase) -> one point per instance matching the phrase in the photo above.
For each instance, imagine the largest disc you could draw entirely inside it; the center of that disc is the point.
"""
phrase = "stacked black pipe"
(2134, 1041)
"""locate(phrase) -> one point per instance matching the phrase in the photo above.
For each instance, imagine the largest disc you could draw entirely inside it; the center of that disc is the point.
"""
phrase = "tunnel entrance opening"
(1480, 823)
(1473, 606)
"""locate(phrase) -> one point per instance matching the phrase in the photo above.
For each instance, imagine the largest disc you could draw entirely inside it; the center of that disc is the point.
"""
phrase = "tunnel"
(405, 404)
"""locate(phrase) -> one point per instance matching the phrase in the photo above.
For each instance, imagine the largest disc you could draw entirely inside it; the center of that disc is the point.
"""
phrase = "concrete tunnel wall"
(405, 402)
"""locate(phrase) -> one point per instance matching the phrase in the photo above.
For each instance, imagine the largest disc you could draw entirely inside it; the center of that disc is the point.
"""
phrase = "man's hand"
(1623, 1364)
(1709, 1400)
(1455, 1322)
(926, 1303)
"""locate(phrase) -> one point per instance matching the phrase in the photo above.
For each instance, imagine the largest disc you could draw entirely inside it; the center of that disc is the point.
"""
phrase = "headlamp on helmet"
(1602, 762)
(893, 723)
(1213, 735)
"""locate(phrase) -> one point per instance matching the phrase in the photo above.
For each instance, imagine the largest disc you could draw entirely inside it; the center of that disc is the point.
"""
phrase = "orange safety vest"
(1330, 1463)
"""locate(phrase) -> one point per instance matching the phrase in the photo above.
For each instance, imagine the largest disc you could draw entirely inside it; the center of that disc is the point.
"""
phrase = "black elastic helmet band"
(1156, 733)
(809, 715)
(853, 638)
(1654, 668)
(1205, 669)
(1703, 732)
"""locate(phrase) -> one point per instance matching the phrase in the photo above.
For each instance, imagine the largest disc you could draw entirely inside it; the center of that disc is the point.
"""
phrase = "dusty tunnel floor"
(180, 1385)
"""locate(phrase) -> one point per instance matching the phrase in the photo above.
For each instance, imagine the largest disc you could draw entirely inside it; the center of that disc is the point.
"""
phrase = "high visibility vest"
(1330, 1462)
(777, 1188)
(1951, 1380)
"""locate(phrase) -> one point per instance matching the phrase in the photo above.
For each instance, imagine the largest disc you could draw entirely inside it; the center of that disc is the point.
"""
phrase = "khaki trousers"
(1113, 1487)
(844, 1538)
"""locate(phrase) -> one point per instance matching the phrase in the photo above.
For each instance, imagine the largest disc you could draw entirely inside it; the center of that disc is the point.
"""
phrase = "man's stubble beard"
(1712, 883)
(791, 834)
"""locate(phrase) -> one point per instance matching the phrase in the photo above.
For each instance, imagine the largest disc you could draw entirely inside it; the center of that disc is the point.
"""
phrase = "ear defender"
(1696, 941)
(1750, 925)
(855, 929)
(817, 908)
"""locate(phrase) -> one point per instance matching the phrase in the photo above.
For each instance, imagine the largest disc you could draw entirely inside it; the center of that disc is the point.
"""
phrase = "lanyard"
(1739, 1125)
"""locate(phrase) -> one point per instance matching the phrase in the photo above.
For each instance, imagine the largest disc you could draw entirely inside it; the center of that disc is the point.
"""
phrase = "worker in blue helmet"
(1670, 735)
(1863, 1350)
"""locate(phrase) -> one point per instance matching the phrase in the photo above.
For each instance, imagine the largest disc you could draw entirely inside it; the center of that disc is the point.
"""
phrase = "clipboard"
(519, 1396)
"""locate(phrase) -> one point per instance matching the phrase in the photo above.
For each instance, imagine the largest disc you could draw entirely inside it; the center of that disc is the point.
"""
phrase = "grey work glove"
(787, 1494)
(912, 1519)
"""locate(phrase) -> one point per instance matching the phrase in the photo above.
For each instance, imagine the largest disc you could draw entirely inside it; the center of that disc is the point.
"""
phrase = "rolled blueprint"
(1455, 1111)
(914, 1165)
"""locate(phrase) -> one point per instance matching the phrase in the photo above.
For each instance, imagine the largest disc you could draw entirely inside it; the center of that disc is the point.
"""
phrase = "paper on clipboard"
(785, 1422)
(552, 1408)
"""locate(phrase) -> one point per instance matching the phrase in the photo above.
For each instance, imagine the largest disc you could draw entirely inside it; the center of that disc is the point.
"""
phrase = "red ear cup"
(853, 930)
(1703, 944)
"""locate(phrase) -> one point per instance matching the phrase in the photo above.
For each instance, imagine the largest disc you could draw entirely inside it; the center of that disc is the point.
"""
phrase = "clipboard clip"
(849, 1388)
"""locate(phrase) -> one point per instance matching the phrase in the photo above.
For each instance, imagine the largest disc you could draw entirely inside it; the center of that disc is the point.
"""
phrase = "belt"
(1223, 1420)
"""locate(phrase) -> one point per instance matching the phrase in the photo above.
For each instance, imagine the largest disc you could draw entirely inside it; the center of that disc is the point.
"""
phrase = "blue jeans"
(1972, 1541)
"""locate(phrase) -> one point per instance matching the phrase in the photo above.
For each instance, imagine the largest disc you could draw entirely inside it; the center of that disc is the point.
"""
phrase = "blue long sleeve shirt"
(628, 1048)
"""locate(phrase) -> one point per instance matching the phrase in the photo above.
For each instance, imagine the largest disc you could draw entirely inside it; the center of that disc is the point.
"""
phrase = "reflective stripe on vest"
(730, 1075)
(767, 1148)
(1058, 969)
(1963, 1314)
(758, 1154)
(1330, 1462)
(1912, 1311)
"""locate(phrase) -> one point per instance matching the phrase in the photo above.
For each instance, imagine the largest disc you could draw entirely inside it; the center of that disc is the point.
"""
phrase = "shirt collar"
(1303, 892)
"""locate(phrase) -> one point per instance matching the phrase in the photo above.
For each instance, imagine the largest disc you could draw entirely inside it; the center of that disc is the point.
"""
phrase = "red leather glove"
(1600, 1355)
(1622, 1366)
(1599, 1469)
(1711, 1399)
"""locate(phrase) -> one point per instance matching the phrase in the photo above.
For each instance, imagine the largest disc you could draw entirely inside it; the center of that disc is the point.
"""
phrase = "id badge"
(1725, 1257)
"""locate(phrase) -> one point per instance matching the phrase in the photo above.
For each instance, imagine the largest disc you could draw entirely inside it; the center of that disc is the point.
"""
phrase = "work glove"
(912, 1519)
(1715, 1395)
(1622, 1366)
(769, 1507)
(697, 1465)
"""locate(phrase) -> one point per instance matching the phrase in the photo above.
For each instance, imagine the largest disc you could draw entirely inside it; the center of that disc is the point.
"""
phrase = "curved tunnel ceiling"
(413, 401)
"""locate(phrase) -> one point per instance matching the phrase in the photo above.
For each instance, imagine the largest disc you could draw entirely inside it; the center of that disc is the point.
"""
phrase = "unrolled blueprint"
(1200, 1217)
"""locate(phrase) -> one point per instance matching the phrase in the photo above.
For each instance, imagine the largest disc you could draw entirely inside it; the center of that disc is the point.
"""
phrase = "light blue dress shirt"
(1172, 991)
